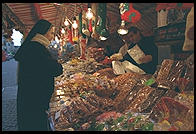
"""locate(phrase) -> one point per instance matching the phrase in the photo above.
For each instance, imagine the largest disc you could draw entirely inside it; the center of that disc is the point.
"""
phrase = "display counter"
(88, 96)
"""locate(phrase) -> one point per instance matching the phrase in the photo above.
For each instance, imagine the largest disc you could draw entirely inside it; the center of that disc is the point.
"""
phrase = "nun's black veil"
(41, 27)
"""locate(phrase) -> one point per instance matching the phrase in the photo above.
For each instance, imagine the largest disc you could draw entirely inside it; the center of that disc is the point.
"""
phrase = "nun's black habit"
(36, 74)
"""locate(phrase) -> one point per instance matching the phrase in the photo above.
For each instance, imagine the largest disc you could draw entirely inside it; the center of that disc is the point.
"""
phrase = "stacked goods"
(114, 121)
(186, 81)
(176, 71)
(120, 99)
(100, 100)
(164, 70)
(80, 109)
(170, 93)
(186, 98)
(150, 102)
(142, 95)
(81, 66)
(170, 73)
(106, 72)
(124, 78)
(172, 115)
(96, 53)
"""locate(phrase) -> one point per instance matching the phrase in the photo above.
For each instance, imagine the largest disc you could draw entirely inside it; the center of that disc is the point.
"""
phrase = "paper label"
(136, 53)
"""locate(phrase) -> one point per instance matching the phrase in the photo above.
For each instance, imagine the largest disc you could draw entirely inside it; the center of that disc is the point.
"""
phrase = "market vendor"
(133, 39)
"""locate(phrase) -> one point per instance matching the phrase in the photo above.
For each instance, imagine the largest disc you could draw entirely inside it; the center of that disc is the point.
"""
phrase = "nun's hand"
(146, 59)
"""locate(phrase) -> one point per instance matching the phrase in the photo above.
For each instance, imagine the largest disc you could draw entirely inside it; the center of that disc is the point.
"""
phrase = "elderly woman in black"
(36, 73)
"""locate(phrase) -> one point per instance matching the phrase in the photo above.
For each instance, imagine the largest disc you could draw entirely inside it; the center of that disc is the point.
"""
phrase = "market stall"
(91, 95)
(97, 99)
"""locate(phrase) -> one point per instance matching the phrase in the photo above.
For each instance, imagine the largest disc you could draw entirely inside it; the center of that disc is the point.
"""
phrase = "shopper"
(146, 44)
(36, 73)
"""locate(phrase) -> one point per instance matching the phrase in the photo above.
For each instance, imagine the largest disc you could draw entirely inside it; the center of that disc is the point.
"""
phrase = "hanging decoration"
(129, 14)
(74, 25)
(75, 30)
(70, 35)
(83, 42)
(101, 24)
(94, 34)
(89, 13)
(66, 23)
(80, 25)
(90, 25)
(85, 30)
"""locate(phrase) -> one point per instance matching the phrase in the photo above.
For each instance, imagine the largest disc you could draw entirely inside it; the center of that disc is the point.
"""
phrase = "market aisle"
(9, 92)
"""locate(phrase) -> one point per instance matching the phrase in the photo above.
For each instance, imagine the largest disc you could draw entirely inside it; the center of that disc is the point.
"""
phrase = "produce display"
(88, 96)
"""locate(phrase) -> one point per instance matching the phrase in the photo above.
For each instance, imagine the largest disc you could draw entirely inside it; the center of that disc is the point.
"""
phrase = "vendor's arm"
(146, 59)
(120, 54)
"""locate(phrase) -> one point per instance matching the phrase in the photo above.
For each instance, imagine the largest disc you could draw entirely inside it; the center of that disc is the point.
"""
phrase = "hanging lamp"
(101, 28)
(74, 25)
(122, 29)
(89, 13)
(66, 23)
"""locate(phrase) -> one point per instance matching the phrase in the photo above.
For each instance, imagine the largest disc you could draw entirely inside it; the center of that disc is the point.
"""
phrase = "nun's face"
(50, 34)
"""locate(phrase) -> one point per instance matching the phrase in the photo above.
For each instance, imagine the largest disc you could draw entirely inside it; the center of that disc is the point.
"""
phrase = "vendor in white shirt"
(138, 54)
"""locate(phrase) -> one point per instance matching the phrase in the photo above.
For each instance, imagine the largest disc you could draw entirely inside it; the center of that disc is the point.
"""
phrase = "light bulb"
(66, 22)
(56, 39)
(122, 30)
(62, 31)
(74, 25)
(89, 14)
(55, 46)
(102, 38)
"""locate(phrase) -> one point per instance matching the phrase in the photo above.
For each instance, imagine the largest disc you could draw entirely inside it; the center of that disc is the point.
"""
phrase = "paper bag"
(125, 66)
(136, 53)
(118, 67)
(130, 67)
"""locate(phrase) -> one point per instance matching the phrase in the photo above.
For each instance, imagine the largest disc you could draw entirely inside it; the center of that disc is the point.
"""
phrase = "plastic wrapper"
(164, 70)
(96, 53)
(125, 98)
(187, 99)
(142, 95)
(151, 101)
(170, 93)
(166, 84)
(107, 72)
(114, 121)
(126, 89)
(186, 82)
(176, 71)
(173, 111)
(122, 79)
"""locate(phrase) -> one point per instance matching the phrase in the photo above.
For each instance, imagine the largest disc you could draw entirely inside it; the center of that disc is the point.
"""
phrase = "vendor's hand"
(116, 57)
(146, 59)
